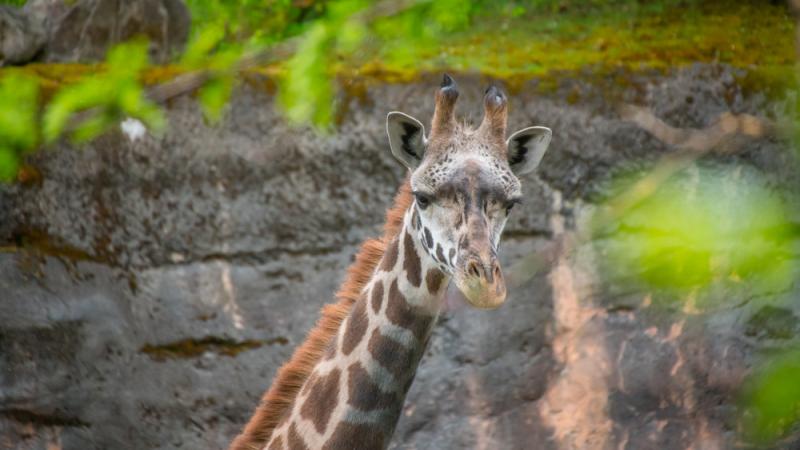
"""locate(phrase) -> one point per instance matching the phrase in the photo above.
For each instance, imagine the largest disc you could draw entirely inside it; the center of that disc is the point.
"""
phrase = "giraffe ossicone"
(344, 387)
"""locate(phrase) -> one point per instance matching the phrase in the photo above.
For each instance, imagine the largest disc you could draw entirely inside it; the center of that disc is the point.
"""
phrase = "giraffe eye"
(510, 205)
(423, 200)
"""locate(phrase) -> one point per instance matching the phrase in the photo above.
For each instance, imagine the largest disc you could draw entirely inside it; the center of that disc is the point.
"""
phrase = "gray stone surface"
(83, 30)
(20, 37)
(149, 290)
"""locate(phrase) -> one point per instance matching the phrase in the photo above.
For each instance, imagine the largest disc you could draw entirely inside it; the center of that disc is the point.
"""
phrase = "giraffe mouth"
(480, 292)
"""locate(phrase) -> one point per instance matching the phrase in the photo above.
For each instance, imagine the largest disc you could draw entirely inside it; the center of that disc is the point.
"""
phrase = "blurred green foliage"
(106, 97)
(306, 92)
(773, 400)
(255, 22)
(309, 44)
(709, 234)
(699, 230)
(702, 228)
(207, 52)
(506, 39)
(18, 122)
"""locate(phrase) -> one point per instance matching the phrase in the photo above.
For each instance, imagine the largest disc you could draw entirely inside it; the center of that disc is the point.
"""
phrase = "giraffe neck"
(355, 394)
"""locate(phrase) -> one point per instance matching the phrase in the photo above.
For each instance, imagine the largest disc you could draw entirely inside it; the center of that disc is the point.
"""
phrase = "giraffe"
(344, 387)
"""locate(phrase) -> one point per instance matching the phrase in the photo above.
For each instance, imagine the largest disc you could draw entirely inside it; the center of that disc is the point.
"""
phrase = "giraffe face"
(465, 184)
(462, 201)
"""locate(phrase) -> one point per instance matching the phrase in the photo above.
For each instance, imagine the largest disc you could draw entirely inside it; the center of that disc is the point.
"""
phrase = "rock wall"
(84, 30)
(150, 289)
(20, 37)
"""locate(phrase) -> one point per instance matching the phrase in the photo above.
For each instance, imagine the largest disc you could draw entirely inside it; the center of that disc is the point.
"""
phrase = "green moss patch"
(755, 36)
(553, 42)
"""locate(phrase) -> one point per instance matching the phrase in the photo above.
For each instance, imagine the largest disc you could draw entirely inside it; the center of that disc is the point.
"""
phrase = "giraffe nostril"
(473, 268)
(496, 271)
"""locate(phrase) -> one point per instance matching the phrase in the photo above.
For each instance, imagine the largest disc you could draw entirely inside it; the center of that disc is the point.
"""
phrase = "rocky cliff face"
(84, 30)
(151, 288)
(21, 38)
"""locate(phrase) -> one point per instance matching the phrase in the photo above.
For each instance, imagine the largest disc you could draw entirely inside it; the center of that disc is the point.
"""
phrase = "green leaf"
(9, 164)
(202, 44)
(92, 127)
(306, 93)
(226, 59)
(104, 98)
(351, 35)
(214, 95)
(18, 112)
(775, 398)
(703, 228)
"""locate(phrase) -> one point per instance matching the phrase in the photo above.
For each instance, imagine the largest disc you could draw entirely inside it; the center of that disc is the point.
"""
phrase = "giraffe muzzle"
(481, 282)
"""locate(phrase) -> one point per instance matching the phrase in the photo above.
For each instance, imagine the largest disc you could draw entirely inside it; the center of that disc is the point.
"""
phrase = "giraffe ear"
(526, 148)
(406, 138)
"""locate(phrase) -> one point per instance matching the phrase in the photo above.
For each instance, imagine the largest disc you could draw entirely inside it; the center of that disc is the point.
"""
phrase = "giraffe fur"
(345, 386)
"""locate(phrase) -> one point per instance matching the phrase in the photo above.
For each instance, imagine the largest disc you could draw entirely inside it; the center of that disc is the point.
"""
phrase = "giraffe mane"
(293, 374)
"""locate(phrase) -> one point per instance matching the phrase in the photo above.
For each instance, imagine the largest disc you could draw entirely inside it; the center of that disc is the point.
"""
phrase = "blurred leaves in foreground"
(773, 400)
(81, 111)
(107, 98)
(307, 46)
(708, 233)
(703, 228)
(19, 132)
(207, 52)
(700, 230)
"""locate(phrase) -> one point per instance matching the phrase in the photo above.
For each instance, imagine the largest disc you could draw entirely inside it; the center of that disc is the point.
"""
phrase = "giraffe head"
(465, 184)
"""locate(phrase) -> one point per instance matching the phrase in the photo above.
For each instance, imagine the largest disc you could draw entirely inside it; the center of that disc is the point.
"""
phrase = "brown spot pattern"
(320, 402)
(390, 256)
(392, 355)
(404, 315)
(377, 296)
(286, 386)
(440, 253)
(411, 262)
(350, 436)
(363, 393)
(296, 441)
(433, 279)
(428, 238)
(277, 444)
(356, 327)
